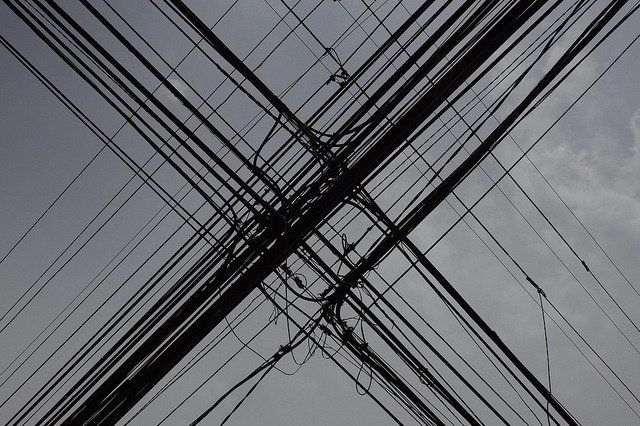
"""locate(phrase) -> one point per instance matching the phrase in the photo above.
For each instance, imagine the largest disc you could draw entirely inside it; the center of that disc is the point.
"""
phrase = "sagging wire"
(264, 368)
(542, 297)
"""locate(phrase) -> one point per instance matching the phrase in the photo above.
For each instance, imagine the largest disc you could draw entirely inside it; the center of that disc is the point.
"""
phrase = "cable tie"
(298, 282)
(325, 292)
(533, 283)
(285, 348)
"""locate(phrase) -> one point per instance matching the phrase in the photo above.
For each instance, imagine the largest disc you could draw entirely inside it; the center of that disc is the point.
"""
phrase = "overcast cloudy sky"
(591, 158)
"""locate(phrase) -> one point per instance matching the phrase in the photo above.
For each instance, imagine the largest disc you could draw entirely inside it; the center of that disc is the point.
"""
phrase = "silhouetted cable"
(308, 196)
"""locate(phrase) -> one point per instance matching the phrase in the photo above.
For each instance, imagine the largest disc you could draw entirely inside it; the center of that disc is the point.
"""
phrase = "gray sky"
(591, 158)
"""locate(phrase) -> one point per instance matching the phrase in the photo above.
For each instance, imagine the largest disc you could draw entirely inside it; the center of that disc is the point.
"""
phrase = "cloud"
(598, 171)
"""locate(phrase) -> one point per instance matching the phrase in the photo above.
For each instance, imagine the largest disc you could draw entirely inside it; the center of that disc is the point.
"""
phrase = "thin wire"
(546, 347)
